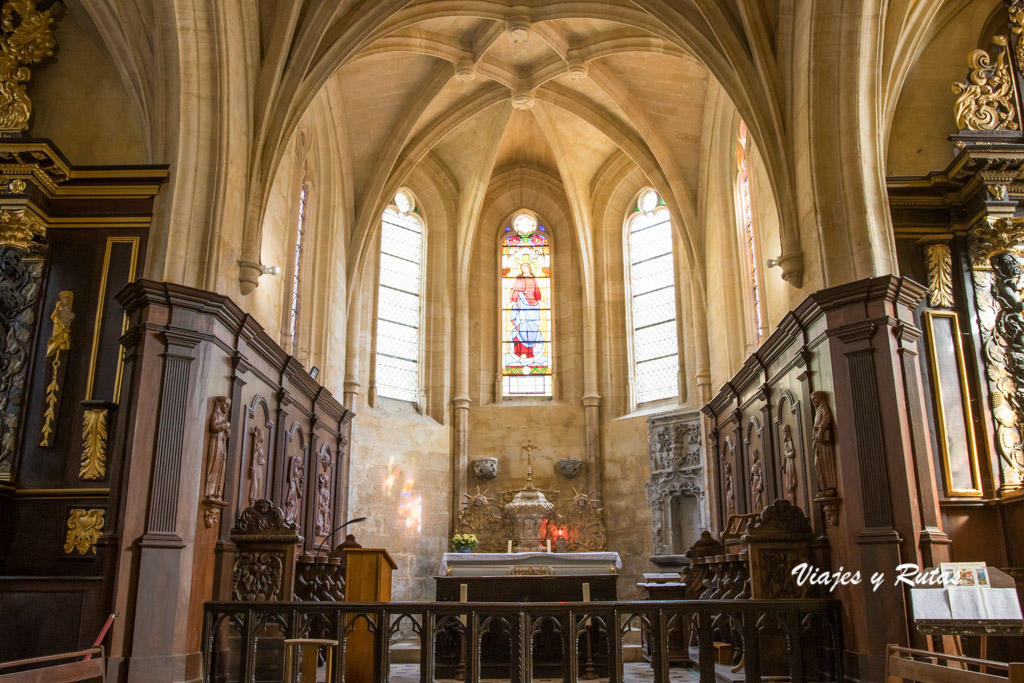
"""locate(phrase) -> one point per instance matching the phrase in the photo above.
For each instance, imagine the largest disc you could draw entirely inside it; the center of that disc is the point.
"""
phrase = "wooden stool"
(307, 650)
(723, 653)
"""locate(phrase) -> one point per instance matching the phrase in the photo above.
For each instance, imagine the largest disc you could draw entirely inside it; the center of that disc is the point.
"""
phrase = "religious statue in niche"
(220, 427)
(257, 465)
(296, 476)
(788, 465)
(56, 352)
(757, 482)
(730, 492)
(323, 508)
(824, 458)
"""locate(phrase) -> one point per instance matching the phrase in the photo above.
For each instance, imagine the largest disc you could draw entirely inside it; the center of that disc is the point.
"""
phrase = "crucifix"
(529, 448)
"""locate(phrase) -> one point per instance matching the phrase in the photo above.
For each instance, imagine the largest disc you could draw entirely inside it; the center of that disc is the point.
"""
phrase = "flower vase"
(464, 549)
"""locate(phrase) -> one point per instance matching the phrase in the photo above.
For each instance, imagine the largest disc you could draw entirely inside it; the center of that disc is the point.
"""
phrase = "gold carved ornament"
(940, 276)
(56, 346)
(998, 236)
(986, 100)
(20, 231)
(84, 529)
(27, 39)
(94, 444)
(1016, 16)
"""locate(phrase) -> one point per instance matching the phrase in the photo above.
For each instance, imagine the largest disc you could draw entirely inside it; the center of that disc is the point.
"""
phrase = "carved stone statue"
(730, 492)
(788, 465)
(220, 427)
(323, 507)
(757, 482)
(824, 456)
(296, 477)
(257, 464)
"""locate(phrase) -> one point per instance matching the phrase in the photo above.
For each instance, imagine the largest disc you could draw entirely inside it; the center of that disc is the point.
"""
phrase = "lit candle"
(549, 545)
(510, 547)
(586, 592)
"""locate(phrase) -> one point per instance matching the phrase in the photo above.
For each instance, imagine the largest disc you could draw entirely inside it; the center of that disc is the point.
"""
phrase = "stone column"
(353, 347)
(460, 404)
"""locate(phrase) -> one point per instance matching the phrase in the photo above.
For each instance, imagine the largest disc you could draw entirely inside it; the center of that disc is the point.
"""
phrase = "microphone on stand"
(334, 531)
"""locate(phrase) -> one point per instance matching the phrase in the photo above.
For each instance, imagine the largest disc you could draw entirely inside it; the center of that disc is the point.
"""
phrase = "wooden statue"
(257, 465)
(220, 427)
(788, 465)
(824, 456)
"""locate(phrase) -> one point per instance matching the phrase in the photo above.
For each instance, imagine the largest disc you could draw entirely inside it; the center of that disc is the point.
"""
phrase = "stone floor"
(636, 672)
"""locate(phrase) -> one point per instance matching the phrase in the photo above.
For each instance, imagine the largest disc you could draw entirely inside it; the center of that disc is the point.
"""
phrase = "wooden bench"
(90, 669)
(905, 664)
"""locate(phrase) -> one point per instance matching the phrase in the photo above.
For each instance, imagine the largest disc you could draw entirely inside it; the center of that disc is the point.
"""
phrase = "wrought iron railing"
(798, 640)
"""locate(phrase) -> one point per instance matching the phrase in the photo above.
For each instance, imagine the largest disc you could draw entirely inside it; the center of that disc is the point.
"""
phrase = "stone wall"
(400, 481)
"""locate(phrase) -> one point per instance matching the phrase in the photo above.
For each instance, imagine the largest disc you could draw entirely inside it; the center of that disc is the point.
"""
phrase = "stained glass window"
(525, 308)
(300, 233)
(398, 301)
(746, 219)
(653, 300)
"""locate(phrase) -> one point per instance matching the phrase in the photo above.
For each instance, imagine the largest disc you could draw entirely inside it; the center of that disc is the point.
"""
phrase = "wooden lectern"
(367, 579)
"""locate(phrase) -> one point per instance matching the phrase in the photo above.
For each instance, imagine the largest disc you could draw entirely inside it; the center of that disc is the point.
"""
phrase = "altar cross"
(529, 448)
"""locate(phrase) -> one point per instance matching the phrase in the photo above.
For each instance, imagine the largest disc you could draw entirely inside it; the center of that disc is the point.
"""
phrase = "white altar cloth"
(560, 563)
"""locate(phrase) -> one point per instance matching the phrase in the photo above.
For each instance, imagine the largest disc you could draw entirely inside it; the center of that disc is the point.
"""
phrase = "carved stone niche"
(677, 487)
(265, 560)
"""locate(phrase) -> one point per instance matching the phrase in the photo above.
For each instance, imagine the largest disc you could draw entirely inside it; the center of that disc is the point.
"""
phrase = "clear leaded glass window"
(525, 308)
(653, 300)
(398, 301)
(746, 219)
(300, 233)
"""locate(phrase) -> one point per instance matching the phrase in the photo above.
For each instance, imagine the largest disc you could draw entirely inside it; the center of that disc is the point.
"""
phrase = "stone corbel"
(792, 265)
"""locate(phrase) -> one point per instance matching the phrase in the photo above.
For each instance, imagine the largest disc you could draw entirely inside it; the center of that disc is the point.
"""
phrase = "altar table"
(524, 577)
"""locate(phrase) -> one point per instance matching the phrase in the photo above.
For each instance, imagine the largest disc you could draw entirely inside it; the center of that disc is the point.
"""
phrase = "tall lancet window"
(525, 308)
(745, 216)
(652, 284)
(300, 234)
(398, 301)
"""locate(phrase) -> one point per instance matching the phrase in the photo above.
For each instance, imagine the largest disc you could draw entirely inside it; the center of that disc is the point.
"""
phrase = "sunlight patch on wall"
(410, 503)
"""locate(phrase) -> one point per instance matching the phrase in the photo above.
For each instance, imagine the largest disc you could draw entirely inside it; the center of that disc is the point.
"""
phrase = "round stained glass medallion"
(524, 224)
(648, 201)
